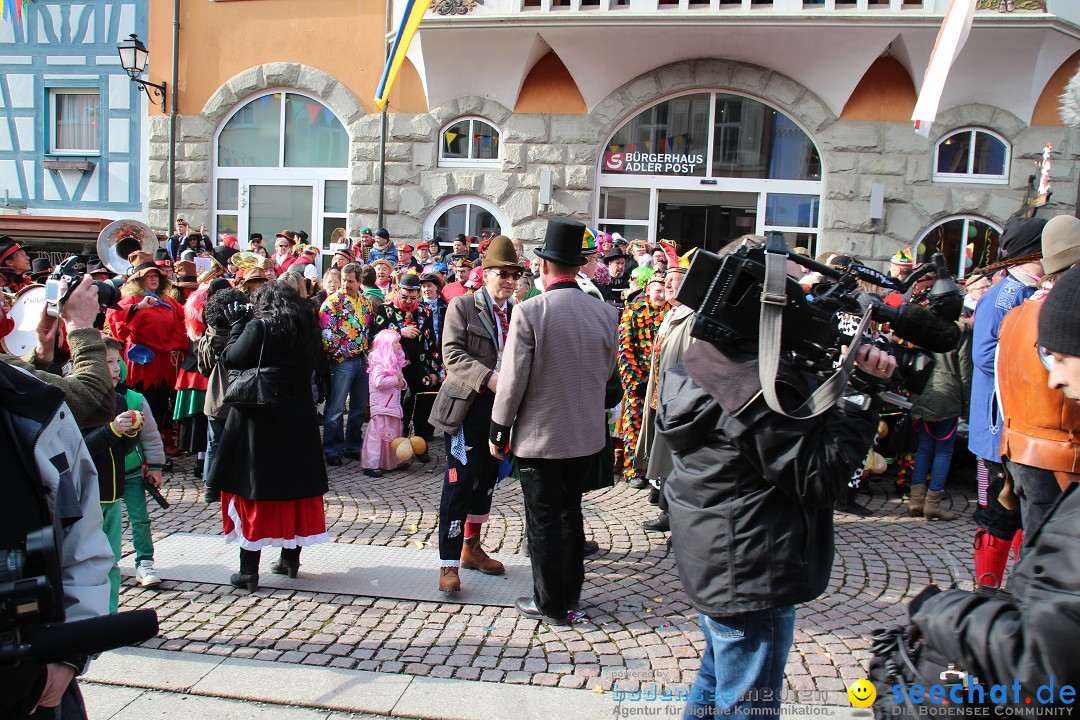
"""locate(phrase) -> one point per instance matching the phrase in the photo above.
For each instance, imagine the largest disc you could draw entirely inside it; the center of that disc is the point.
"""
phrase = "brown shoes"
(449, 580)
(473, 557)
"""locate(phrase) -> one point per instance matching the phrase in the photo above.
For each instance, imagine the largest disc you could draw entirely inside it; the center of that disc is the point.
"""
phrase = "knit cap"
(1059, 317)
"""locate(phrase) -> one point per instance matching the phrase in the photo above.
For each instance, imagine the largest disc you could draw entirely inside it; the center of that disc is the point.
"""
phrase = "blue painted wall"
(71, 44)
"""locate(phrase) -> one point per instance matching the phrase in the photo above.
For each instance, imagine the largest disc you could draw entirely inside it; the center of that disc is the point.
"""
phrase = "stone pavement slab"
(341, 569)
(281, 691)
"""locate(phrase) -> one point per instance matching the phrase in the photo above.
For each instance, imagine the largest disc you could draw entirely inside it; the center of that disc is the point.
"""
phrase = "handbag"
(253, 388)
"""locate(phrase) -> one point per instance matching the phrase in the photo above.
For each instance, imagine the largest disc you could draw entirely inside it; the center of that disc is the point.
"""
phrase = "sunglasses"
(506, 274)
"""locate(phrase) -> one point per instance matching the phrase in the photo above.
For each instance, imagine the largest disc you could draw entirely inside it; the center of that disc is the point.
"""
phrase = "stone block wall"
(855, 155)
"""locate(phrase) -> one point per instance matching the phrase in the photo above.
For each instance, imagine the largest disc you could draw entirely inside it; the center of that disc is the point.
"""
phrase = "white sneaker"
(146, 575)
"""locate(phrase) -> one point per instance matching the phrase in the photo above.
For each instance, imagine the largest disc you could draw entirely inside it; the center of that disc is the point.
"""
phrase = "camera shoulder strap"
(770, 327)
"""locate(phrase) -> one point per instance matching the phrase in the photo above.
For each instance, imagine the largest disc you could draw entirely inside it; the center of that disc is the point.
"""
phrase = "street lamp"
(133, 56)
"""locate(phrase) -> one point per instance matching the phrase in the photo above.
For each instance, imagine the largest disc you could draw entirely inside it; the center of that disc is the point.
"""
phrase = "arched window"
(705, 167)
(973, 239)
(972, 155)
(469, 142)
(463, 216)
(282, 163)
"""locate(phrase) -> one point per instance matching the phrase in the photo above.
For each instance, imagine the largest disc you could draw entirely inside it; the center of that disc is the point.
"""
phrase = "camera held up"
(729, 293)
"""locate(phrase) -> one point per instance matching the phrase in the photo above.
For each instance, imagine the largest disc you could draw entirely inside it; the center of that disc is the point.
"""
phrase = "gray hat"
(1060, 243)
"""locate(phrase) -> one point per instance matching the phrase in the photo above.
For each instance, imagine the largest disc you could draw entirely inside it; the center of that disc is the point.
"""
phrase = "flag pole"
(382, 122)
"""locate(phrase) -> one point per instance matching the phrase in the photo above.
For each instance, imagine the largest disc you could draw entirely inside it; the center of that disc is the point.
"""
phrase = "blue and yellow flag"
(410, 20)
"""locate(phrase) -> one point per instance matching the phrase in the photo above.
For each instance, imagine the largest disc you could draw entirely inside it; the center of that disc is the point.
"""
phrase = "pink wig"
(383, 355)
(193, 312)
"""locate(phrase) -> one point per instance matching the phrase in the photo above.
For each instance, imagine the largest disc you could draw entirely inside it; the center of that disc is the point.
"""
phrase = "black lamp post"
(133, 56)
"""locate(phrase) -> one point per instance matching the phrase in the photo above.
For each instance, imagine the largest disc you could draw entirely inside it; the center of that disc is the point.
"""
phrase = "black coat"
(273, 454)
(1029, 634)
(751, 494)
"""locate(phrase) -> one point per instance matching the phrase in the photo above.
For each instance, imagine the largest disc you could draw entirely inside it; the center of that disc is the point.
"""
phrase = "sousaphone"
(121, 238)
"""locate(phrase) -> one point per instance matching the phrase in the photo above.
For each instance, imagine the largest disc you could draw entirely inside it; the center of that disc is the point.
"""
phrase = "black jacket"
(751, 493)
(109, 452)
(272, 454)
(1029, 634)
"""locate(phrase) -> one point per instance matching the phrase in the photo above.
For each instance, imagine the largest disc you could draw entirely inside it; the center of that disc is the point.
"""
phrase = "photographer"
(1027, 635)
(87, 388)
(50, 478)
(750, 504)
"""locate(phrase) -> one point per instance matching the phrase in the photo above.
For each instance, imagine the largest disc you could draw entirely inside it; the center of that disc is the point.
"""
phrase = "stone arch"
(708, 74)
(993, 118)
(332, 93)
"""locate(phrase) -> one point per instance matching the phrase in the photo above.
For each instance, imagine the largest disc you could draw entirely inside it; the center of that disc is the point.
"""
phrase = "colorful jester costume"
(640, 321)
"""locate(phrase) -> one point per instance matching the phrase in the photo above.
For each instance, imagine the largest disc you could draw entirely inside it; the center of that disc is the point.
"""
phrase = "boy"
(132, 435)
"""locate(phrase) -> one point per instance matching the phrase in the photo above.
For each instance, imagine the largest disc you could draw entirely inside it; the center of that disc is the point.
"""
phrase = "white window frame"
(470, 162)
(970, 177)
(960, 271)
(279, 175)
(53, 93)
(449, 203)
(655, 183)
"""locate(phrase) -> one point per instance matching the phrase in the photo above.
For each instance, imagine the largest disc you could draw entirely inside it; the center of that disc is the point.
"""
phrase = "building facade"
(73, 145)
(694, 120)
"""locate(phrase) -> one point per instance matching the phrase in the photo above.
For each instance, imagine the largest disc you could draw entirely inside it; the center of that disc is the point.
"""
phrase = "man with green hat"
(474, 334)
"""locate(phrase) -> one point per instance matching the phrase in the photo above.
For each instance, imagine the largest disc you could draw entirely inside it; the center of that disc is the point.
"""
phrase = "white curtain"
(77, 121)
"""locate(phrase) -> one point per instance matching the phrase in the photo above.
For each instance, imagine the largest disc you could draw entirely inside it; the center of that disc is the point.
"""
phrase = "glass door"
(270, 206)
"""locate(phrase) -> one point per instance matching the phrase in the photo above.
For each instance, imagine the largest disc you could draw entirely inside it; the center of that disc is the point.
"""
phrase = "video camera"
(727, 293)
(66, 277)
(32, 626)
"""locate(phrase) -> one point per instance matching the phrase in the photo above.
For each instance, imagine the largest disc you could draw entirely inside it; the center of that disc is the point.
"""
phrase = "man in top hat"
(164, 263)
(1039, 435)
(98, 270)
(14, 265)
(474, 337)
(40, 269)
(620, 275)
(284, 257)
(559, 353)
(383, 248)
(409, 317)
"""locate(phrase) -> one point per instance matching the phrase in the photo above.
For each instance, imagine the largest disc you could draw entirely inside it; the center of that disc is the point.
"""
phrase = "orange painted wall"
(885, 93)
(221, 39)
(549, 88)
(1046, 110)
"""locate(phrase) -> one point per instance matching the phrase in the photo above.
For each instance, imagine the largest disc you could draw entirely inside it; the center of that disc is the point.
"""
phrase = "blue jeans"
(348, 380)
(934, 455)
(742, 668)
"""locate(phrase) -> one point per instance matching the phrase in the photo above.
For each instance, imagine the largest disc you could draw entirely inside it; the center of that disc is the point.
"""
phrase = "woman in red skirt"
(272, 498)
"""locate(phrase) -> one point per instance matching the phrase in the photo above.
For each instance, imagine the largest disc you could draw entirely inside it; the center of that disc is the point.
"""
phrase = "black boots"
(248, 577)
(288, 563)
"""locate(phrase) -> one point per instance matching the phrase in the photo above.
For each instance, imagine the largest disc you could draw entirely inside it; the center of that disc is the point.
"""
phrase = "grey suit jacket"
(470, 348)
(557, 361)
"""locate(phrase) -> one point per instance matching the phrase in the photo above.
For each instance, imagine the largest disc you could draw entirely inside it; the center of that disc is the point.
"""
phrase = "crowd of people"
(393, 343)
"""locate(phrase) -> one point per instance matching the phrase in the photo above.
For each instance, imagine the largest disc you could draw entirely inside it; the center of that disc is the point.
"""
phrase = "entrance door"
(270, 206)
(703, 219)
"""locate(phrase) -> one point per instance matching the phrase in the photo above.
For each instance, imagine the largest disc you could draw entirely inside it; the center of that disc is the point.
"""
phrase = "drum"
(26, 311)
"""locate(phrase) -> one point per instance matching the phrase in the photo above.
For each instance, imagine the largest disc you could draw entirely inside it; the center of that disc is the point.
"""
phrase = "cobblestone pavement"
(640, 626)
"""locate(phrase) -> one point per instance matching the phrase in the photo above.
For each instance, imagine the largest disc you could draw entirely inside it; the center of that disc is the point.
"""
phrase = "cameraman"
(87, 389)
(750, 502)
(49, 478)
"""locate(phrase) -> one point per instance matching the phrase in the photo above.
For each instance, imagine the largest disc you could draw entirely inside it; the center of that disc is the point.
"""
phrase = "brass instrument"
(122, 238)
(216, 271)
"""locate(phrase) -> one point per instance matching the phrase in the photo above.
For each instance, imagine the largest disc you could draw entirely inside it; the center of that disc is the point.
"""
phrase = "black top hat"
(40, 265)
(95, 266)
(562, 242)
(8, 247)
(616, 252)
(222, 253)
